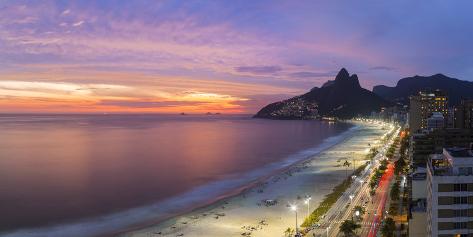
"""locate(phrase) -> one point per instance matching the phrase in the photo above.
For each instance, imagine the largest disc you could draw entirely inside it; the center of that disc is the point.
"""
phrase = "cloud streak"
(314, 74)
(383, 68)
(79, 23)
(259, 69)
(246, 55)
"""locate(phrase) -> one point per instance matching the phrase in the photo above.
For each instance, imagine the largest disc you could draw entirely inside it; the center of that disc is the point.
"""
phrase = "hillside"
(455, 89)
(342, 98)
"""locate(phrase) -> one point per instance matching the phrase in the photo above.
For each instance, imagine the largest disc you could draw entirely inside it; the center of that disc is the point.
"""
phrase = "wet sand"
(247, 214)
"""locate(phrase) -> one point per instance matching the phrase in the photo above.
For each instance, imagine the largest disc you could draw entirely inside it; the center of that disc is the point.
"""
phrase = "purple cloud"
(259, 69)
(383, 68)
(314, 74)
(173, 46)
(144, 104)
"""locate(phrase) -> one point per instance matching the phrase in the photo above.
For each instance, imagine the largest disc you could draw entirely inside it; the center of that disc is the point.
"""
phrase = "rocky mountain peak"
(345, 80)
(342, 98)
(342, 75)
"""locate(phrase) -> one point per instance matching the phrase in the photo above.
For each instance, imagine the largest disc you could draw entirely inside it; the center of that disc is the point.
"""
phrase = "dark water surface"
(57, 169)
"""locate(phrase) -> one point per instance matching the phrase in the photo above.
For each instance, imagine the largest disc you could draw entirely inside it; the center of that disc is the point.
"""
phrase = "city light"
(307, 202)
(294, 208)
(184, 106)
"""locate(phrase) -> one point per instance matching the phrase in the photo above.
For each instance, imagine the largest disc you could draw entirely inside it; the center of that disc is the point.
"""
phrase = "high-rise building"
(417, 187)
(450, 120)
(424, 143)
(423, 105)
(449, 193)
(436, 121)
(464, 114)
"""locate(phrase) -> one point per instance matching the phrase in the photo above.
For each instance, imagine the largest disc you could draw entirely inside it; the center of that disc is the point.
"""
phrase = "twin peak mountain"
(342, 98)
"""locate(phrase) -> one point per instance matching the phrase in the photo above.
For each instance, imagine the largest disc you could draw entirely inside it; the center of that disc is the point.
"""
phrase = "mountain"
(342, 98)
(455, 89)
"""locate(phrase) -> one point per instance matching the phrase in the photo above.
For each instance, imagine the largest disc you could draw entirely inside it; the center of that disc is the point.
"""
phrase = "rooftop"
(460, 152)
(432, 93)
(453, 162)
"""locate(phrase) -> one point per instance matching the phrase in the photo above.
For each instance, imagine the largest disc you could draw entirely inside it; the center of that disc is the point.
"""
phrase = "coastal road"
(376, 210)
(379, 203)
(343, 209)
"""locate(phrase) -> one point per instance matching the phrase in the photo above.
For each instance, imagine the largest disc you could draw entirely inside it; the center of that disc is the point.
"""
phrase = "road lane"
(382, 192)
(343, 209)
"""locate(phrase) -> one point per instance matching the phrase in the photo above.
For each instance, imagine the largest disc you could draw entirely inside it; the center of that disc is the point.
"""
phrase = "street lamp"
(294, 208)
(351, 198)
(327, 230)
(307, 201)
(357, 213)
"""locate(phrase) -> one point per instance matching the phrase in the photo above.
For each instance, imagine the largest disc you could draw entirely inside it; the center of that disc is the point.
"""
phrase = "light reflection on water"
(57, 168)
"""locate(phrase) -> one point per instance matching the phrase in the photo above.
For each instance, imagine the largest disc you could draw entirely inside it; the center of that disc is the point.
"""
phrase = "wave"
(198, 197)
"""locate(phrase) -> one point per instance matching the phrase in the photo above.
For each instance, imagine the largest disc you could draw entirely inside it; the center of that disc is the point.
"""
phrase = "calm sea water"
(62, 169)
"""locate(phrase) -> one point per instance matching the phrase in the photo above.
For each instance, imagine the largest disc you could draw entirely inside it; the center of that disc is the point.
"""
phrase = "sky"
(216, 56)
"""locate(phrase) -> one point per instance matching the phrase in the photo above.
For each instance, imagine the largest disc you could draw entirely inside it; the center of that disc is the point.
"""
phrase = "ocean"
(86, 175)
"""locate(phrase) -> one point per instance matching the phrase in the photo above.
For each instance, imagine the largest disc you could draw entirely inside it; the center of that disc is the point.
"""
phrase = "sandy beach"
(247, 214)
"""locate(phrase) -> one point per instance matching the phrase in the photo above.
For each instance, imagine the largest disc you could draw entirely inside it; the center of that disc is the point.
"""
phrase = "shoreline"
(238, 206)
(162, 212)
(222, 199)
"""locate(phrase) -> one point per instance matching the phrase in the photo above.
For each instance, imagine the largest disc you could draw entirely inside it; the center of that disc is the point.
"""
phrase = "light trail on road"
(382, 190)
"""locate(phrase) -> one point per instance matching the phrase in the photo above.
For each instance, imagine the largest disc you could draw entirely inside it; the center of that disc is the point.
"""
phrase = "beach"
(263, 210)
(124, 172)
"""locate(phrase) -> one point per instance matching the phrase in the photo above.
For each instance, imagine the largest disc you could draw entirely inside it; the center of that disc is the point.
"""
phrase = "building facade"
(425, 142)
(464, 114)
(423, 105)
(436, 121)
(450, 193)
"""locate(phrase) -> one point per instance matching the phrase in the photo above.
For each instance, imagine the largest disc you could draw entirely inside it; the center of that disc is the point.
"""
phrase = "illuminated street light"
(294, 208)
(351, 198)
(307, 201)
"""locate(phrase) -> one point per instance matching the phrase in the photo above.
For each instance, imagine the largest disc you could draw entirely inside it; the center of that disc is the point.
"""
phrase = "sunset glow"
(197, 57)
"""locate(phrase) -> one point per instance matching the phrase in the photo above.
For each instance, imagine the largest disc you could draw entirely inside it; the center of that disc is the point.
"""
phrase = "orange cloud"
(40, 96)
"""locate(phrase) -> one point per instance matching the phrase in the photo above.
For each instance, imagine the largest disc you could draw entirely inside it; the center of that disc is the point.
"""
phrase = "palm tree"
(289, 232)
(346, 164)
(348, 227)
(394, 194)
(389, 227)
(360, 209)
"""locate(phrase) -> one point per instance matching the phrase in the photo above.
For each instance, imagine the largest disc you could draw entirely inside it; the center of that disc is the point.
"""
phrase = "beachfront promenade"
(359, 195)
(245, 215)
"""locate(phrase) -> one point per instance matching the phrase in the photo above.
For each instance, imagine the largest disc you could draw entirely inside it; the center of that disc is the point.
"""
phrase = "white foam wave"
(199, 196)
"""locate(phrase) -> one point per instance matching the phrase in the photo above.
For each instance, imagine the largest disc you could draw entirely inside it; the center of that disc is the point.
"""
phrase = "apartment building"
(464, 114)
(436, 121)
(423, 105)
(450, 193)
(426, 142)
